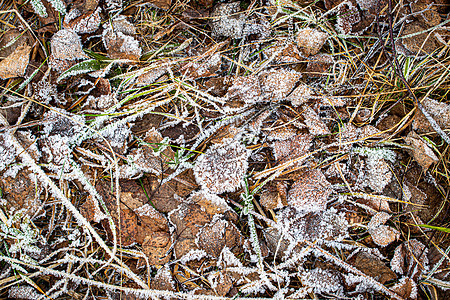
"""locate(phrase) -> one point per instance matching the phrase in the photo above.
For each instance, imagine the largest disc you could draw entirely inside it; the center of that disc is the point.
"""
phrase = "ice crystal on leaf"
(315, 124)
(382, 235)
(348, 15)
(322, 281)
(221, 168)
(310, 41)
(421, 152)
(377, 173)
(245, 88)
(310, 192)
(405, 288)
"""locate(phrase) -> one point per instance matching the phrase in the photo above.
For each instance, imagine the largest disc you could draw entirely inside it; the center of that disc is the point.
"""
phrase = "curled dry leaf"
(310, 192)
(421, 152)
(439, 111)
(310, 40)
(16, 63)
(222, 167)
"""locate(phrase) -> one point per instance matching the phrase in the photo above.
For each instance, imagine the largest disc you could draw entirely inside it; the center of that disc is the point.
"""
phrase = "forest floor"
(159, 149)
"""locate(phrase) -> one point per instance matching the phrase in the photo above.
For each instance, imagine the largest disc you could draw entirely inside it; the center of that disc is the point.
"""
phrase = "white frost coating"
(221, 168)
(193, 254)
(23, 292)
(66, 45)
(322, 281)
(7, 151)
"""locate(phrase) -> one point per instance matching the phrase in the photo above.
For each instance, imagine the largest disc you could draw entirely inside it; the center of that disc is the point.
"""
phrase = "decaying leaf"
(319, 64)
(163, 280)
(310, 40)
(16, 63)
(300, 95)
(310, 192)
(245, 88)
(421, 152)
(348, 16)
(222, 167)
(284, 53)
(382, 235)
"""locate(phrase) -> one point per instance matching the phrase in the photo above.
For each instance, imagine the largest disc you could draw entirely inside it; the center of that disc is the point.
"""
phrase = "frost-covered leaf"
(276, 84)
(163, 280)
(151, 157)
(291, 148)
(405, 288)
(300, 95)
(377, 173)
(119, 41)
(322, 281)
(310, 192)
(7, 151)
(245, 88)
(24, 292)
(372, 266)
(315, 124)
(66, 45)
(274, 195)
(82, 23)
(16, 63)
(421, 152)
(382, 235)
(310, 40)
(206, 67)
(81, 68)
(216, 235)
(222, 167)
(348, 16)
(284, 54)
(227, 22)
(439, 111)
(410, 259)
(118, 138)
(319, 64)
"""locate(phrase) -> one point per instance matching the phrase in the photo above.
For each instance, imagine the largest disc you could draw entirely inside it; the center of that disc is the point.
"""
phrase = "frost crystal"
(222, 167)
(83, 24)
(300, 95)
(23, 292)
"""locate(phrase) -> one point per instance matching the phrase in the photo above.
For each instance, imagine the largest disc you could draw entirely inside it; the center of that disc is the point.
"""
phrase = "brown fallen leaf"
(315, 124)
(372, 266)
(310, 40)
(421, 152)
(310, 192)
(16, 63)
(405, 288)
(410, 259)
(319, 64)
(221, 168)
(82, 22)
(276, 84)
(382, 235)
(274, 195)
(119, 40)
(292, 148)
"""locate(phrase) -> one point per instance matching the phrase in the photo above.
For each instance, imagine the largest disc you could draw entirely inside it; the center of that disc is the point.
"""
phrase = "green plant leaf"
(81, 68)
(443, 229)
